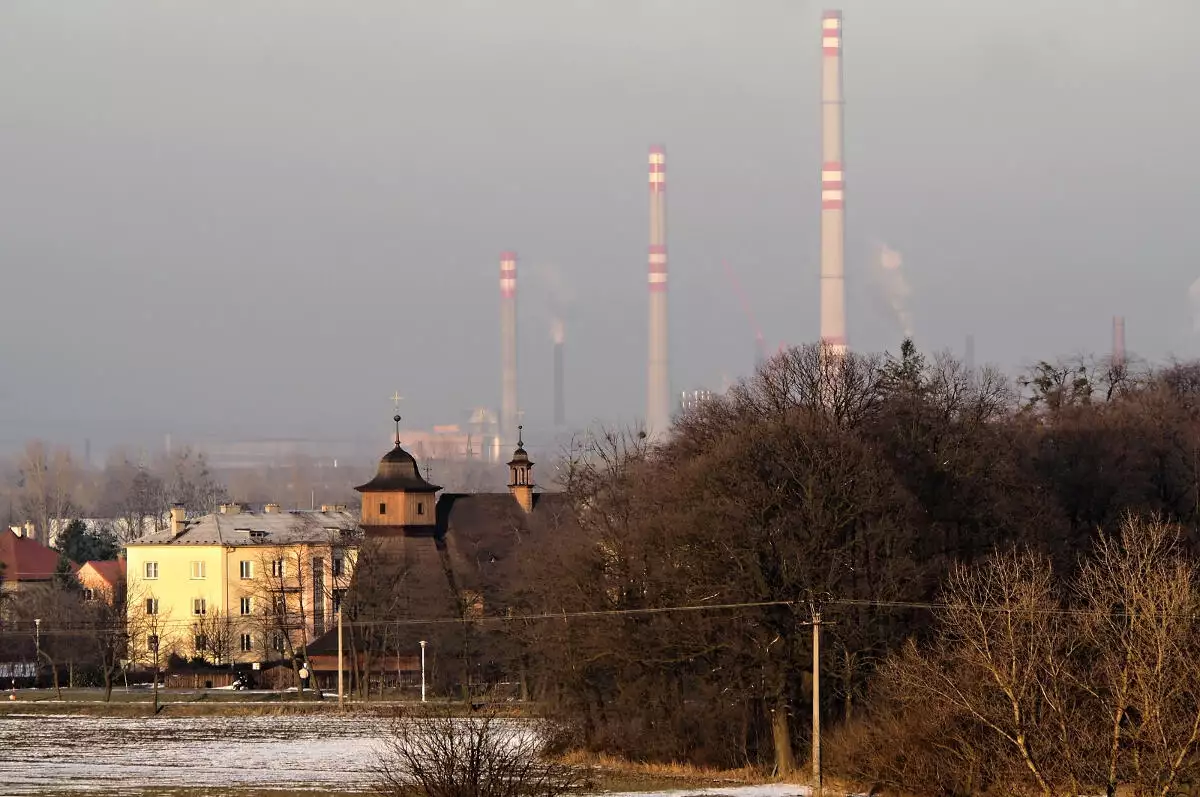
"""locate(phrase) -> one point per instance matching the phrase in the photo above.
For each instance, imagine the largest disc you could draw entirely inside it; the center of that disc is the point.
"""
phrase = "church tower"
(398, 498)
(520, 474)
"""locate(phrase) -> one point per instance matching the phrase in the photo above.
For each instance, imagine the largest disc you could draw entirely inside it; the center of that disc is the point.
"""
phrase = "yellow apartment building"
(240, 586)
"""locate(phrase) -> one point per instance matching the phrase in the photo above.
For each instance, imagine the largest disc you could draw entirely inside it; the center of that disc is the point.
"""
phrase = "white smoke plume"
(560, 299)
(889, 274)
(1194, 300)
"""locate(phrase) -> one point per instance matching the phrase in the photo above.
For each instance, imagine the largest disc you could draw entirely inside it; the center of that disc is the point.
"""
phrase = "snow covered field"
(114, 755)
(111, 755)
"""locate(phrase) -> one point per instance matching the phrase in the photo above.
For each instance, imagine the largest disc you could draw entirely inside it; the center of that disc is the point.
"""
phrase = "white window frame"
(338, 566)
(246, 643)
(198, 570)
(150, 570)
(199, 607)
(246, 569)
(151, 607)
(246, 605)
(277, 568)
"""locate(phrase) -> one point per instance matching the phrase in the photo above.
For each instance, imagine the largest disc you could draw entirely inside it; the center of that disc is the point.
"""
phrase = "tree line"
(872, 486)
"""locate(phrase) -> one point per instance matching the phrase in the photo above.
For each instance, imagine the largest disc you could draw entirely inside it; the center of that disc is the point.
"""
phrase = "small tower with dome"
(398, 496)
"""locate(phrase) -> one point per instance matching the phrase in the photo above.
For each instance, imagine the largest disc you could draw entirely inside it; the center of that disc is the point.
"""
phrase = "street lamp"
(37, 644)
(154, 648)
(422, 670)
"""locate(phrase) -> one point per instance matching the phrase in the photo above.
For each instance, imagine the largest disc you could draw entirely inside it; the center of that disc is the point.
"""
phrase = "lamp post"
(422, 670)
(154, 647)
(37, 644)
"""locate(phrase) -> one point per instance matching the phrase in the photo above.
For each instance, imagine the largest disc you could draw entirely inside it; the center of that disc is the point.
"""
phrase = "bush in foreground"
(482, 755)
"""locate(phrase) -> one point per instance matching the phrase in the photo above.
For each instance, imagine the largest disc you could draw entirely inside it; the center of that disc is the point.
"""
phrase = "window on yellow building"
(247, 607)
(339, 566)
(247, 643)
(151, 606)
(246, 569)
(199, 607)
(151, 569)
(197, 570)
(201, 643)
(382, 508)
(277, 568)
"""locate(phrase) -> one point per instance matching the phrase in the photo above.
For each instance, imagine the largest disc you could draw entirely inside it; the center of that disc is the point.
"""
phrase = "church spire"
(520, 473)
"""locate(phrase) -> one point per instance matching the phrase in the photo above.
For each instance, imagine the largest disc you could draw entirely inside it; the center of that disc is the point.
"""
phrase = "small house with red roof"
(102, 578)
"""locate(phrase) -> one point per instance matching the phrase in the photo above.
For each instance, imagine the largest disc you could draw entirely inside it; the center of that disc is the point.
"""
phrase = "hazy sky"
(262, 218)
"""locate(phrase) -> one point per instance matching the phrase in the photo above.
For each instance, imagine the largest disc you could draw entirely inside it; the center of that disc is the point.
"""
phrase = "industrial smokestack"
(508, 347)
(658, 394)
(1118, 342)
(560, 406)
(833, 226)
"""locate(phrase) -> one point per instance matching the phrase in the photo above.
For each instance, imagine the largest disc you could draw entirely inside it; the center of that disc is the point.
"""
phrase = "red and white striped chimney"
(508, 348)
(658, 394)
(833, 187)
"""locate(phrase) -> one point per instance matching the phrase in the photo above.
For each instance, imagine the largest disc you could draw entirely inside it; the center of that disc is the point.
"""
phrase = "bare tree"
(485, 755)
(214, 634)
(282, 597)
(1141, 596)
(48, 478)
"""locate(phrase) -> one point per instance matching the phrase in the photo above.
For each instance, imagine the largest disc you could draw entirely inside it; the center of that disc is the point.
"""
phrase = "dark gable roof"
(398, 472)
(483, 531)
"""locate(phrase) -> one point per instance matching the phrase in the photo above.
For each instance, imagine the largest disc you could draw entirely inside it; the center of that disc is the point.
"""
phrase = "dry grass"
(608, 770)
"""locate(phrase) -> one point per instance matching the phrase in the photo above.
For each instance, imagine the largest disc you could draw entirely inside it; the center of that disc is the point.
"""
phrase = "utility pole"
(341, 691)
(816, 703)
(816, 623)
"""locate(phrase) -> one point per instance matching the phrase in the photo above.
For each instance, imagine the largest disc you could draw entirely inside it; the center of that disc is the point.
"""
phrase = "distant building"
(689, 400)
(240, 586)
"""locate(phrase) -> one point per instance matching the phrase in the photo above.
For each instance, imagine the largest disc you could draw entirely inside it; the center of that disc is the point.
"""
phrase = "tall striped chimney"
(1118, 341)
(658, 394)
(833, 190)
(508, 348)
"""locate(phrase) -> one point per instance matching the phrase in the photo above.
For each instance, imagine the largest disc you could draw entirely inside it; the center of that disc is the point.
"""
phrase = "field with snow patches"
(60, 754)
(40, 754)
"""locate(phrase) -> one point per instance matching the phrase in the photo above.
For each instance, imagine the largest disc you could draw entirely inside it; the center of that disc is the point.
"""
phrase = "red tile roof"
(111, 570)
(27, 560)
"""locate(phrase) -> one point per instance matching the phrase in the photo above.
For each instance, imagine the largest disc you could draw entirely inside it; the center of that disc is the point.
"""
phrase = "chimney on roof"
(230, 509)
(272, 509)
(178, 518)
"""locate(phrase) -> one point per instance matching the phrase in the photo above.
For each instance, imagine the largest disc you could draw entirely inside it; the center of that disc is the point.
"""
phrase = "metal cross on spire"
(396, 399)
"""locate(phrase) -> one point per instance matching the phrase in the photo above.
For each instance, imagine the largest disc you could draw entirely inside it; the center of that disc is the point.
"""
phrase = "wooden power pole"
(816, 703)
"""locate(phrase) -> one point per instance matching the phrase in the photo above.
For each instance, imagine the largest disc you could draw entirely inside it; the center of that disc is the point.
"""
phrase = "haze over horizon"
(261, 219)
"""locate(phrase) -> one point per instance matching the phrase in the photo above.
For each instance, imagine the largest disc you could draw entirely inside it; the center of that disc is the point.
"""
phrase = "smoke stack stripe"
(508, 347)
(833, 187)
(658, 393)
